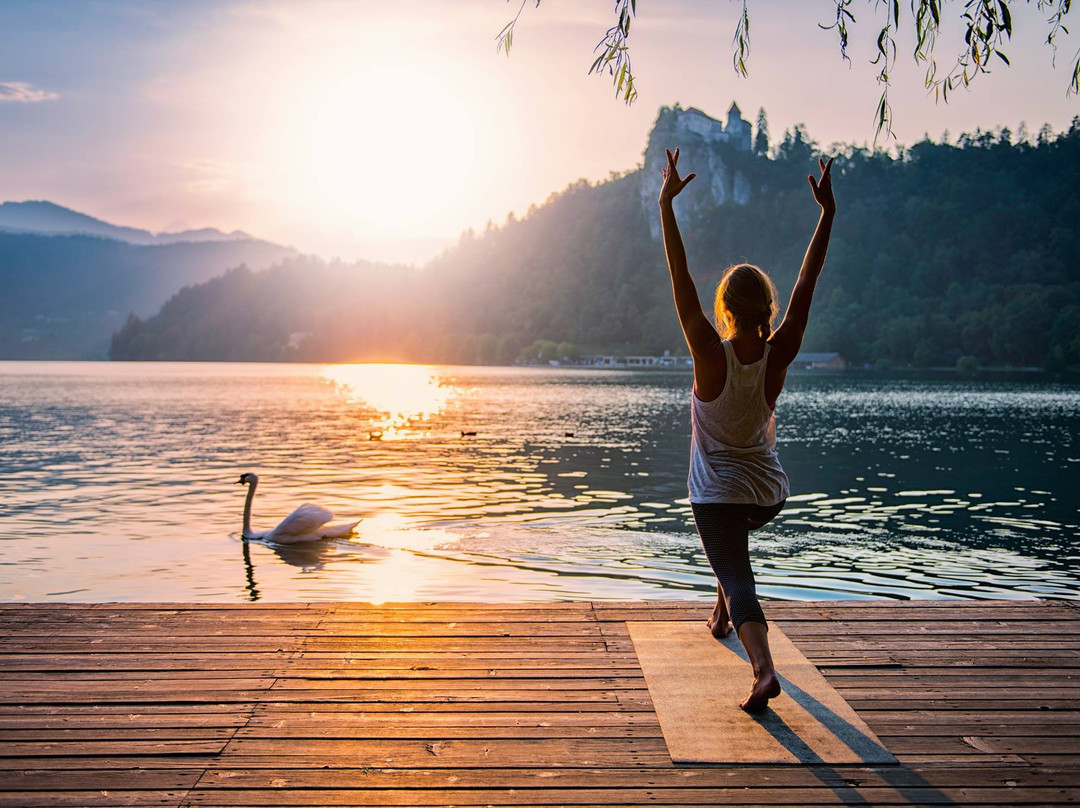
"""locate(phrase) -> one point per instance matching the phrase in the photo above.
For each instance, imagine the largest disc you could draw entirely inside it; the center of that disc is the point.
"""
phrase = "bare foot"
(718, 623)
(765, 687)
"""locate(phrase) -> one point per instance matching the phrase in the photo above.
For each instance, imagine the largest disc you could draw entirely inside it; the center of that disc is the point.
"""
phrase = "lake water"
(118, 482)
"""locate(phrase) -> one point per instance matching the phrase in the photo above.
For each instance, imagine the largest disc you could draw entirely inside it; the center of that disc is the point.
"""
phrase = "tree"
(508, 350)
(467, 349)
(567, 352)
(967, 367)
(487, 347)
(987, 27)
(761, 134)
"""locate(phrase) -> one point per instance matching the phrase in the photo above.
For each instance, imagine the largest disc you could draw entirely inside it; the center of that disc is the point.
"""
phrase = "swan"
(306, 523)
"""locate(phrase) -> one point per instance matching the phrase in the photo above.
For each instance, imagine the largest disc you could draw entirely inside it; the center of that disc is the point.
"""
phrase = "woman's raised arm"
(788, 338)
(699, 333)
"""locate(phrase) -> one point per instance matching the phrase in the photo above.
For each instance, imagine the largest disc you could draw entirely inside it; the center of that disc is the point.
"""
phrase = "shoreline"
(1033, 374)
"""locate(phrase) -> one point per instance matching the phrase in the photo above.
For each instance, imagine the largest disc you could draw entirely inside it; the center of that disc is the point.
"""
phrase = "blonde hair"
(745, 301)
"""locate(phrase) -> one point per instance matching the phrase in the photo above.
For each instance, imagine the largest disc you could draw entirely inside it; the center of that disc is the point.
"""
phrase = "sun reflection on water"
(405, 570)
(399, 397)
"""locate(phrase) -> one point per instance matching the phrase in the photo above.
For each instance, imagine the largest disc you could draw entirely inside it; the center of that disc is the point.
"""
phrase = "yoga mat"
(697, 682)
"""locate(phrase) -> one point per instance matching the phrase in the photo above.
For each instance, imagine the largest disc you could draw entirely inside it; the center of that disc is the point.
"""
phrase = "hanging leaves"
(987, 26)
(741, 41)
(614, 53)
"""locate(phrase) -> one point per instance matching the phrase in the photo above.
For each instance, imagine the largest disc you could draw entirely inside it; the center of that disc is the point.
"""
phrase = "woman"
(736, 482)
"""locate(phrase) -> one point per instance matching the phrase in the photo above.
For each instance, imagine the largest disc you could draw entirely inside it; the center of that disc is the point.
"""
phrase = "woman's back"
(733, 444)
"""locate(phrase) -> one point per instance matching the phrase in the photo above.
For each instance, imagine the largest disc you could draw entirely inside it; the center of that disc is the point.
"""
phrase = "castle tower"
(737, 129)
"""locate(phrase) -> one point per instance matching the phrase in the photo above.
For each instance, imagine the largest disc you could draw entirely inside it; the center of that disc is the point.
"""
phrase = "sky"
(383, 130)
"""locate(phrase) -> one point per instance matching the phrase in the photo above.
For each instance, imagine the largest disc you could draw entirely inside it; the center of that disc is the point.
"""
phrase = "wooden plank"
(868, 706)
(980, 680)
(620, 704)
(985, 743)
(133, 700)
(740, 777)
(293, 719)
(123, 747)
(879, 632)
(1011, 693)
(115, 762)
(915, 665)
(823, 795)
(117, 709)
(95, 682)
(558, 753)
(309, 660)
(945, 661)
(125, 720)
(97, 799)
(100, 780)
(83, 734)
(1012, 718)
(490, 684)
(450, 732)
(212, 630)
(356, 673)
(512, 704)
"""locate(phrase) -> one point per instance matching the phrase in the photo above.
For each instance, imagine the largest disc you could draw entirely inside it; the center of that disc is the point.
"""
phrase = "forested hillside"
(946, 250)
(61, 297)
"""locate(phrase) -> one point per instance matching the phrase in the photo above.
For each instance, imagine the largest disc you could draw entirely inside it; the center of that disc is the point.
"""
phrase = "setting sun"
(387, 148)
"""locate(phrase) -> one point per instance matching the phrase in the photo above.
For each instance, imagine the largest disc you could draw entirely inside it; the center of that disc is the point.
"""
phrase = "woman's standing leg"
(755, 639)
(755, 636)
(725, 532)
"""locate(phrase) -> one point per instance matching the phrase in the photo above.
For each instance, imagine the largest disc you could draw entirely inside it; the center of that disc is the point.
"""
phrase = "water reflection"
(397, 398)
(116, 484)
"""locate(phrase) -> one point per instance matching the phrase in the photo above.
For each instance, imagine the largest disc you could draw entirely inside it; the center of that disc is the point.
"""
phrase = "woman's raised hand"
(673, 184)
(822, 188)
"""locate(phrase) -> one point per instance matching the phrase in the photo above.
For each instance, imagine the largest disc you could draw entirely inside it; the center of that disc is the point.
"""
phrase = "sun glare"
(400, 395)
(390, 147)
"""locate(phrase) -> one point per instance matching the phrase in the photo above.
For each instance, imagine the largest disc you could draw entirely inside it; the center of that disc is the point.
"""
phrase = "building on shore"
(804, 361)
(819, 361)
(642, 361)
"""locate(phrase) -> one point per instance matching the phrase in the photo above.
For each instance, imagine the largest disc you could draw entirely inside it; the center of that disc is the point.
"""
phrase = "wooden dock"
(520, 704)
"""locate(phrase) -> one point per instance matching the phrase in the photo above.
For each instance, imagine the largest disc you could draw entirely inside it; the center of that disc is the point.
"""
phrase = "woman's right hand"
(673, 184)
(822, 188)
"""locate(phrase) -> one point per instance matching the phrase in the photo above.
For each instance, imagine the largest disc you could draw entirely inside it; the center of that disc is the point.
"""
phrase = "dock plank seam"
(986, 748)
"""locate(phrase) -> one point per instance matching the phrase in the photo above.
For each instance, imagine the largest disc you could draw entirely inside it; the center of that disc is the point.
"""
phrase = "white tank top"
(733, 442)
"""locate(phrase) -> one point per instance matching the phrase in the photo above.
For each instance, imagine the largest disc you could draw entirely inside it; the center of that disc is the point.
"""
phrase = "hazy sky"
(384, 129)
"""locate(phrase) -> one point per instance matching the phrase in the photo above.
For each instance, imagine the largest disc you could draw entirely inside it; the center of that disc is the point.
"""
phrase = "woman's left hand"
(822, 188)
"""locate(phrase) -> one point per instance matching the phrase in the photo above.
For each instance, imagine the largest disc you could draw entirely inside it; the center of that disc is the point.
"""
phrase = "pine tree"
(761, 136)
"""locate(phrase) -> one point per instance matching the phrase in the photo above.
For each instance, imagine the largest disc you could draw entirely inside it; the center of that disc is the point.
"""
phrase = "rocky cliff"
(708, 148)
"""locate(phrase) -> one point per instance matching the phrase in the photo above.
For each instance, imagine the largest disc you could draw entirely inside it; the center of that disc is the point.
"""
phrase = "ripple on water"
(118, 483)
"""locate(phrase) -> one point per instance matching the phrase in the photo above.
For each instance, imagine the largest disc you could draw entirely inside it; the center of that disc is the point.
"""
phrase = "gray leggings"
(724, 529)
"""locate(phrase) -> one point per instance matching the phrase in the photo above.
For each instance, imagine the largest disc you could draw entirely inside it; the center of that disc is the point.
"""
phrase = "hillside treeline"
(61, 297)
(947, 250)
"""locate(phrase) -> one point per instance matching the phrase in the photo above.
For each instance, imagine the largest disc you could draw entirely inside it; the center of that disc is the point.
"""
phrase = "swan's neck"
(247, 511)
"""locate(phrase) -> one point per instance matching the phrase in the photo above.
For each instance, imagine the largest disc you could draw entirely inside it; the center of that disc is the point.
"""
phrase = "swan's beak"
(240, 481)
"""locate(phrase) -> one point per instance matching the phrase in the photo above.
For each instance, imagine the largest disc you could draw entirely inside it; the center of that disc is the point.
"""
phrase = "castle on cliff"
(709, 148)
(693, 120)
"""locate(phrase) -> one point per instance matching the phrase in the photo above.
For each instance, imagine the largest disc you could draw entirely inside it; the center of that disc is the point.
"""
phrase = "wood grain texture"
(519, 704)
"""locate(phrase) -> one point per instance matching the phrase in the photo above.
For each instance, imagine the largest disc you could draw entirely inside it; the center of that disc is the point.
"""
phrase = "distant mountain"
(61, 295)
(47, 218)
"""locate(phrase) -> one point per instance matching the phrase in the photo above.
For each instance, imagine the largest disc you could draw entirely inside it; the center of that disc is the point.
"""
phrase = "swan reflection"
(397, 396)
